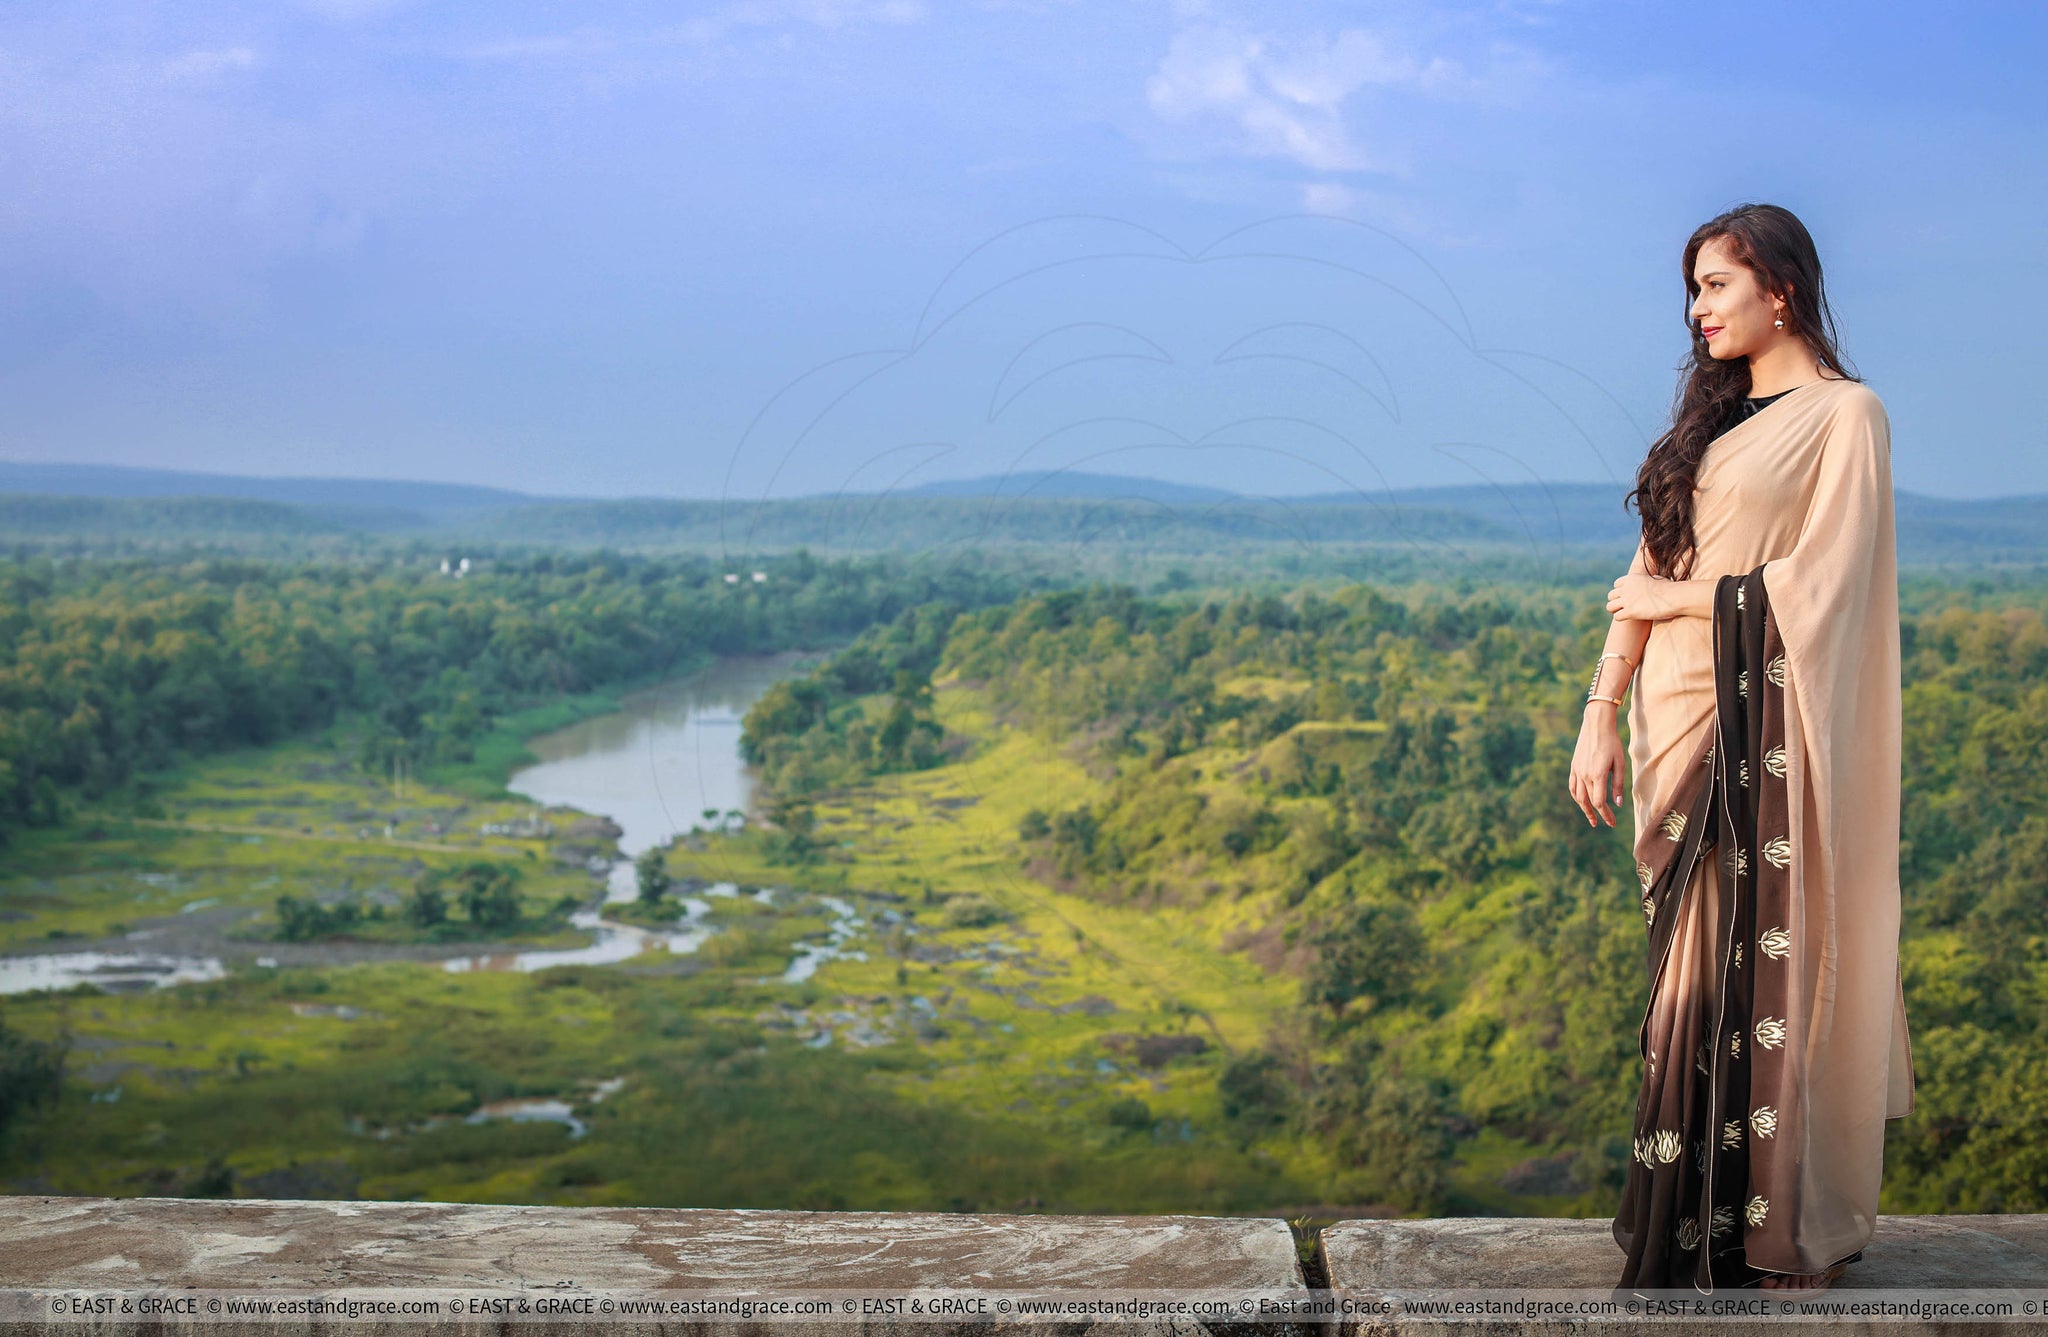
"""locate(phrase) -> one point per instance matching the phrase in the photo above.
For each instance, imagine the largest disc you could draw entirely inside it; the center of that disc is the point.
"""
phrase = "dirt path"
(282, 833)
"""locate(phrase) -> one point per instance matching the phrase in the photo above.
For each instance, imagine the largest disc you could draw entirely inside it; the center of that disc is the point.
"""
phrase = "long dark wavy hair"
(1775, 244)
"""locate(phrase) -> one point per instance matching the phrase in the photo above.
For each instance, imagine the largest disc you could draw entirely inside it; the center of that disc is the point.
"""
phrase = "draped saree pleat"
(1710, 1174)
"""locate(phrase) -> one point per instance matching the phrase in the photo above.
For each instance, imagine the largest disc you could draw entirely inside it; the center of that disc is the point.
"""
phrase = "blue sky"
(777, 247)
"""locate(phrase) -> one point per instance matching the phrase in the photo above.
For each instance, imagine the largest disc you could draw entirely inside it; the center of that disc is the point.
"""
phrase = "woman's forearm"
(1695, 598)
(1625, 636)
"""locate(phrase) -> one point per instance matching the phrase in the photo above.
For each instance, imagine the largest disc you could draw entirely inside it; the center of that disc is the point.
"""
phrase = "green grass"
(981, 1078)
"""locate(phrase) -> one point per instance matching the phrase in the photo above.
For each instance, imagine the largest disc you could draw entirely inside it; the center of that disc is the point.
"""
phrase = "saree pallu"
(1712, 1168)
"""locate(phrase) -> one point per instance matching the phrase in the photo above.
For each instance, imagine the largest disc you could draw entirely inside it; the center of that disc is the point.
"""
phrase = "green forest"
(112, 669)
(1382, 772)
(1303, 859)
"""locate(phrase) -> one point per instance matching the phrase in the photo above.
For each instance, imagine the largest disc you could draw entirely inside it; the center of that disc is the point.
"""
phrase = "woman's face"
(1733, 311)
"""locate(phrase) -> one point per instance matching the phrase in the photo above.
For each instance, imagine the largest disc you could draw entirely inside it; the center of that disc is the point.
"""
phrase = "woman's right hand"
(1598, 765)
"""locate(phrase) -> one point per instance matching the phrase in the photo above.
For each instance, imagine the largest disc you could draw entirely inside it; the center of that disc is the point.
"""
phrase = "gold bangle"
(1611, 654)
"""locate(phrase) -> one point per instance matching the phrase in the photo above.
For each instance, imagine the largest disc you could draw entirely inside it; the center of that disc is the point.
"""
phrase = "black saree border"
(1687, 1219)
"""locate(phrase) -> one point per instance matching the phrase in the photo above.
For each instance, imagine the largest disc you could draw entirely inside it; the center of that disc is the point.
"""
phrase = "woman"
(1759, 621)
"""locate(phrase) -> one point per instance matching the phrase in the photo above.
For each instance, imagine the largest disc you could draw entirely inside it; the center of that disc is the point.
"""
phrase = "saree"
(1765, 749)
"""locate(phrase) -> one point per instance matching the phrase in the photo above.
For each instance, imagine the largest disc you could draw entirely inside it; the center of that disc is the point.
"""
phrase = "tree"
(1394, 1126)
(1253, 1090)
(794, 840)
(650, 871)
(426, 906)
(1367, 950)
(489, 893)
(31, 1071)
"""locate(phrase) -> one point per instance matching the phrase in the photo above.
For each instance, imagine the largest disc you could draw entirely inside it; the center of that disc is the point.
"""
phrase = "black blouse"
(1749, 406)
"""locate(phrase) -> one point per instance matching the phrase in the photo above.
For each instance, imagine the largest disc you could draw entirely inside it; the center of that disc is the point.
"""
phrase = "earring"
(1781, 322)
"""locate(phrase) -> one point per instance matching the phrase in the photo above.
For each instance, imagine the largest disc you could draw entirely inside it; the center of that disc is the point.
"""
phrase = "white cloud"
(1297, 97)
(1217, 73)
(208, 64)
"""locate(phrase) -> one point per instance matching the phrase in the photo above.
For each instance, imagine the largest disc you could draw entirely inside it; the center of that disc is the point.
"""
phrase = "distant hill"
(996, 510)
(430, 500)
(896, 522)
(161, 517)
(1065, 484)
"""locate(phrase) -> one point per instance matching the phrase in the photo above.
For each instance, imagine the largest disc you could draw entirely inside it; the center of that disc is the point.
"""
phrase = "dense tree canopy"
(1387, 775)
(113, 667)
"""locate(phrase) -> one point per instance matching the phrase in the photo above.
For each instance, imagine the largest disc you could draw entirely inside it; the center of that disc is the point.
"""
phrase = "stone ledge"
(1908, 1252)
(1922, 1254)
(166, 1245)
(129, 1244)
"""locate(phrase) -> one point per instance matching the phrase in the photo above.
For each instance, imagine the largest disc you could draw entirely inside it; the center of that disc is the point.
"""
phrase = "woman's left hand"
(1639, 597)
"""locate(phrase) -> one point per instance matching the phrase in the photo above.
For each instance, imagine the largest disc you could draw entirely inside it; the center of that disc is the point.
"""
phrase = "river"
(669, 753)
(667, 763)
